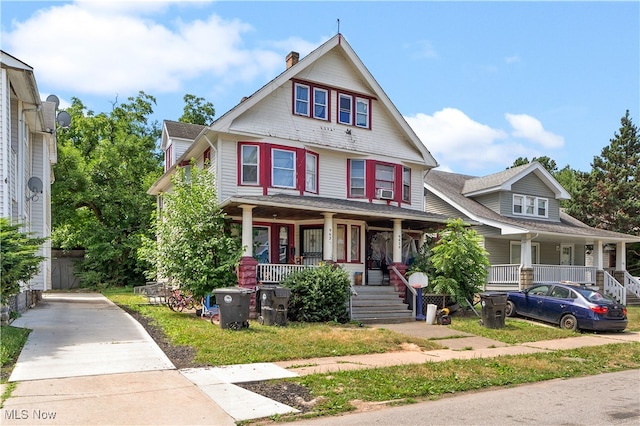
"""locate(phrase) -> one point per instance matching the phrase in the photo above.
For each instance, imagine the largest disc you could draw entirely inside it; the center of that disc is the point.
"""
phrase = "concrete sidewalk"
(88, 362)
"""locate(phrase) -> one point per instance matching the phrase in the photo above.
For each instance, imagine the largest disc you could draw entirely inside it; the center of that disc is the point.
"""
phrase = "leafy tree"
(319, 294)
(460, 263)
(106, 163)
(194, 245)
(18, 258)
(197, 111)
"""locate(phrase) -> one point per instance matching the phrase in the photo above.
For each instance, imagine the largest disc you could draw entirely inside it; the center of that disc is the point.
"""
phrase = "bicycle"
(178, 301)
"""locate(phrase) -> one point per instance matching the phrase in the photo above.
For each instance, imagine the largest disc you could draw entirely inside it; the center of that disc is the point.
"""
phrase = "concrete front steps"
(379, 304)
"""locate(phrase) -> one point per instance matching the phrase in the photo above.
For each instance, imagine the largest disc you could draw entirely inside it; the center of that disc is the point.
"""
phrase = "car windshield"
(592, 296)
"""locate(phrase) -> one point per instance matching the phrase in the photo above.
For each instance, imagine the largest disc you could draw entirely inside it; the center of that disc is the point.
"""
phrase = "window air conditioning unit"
(384, 194)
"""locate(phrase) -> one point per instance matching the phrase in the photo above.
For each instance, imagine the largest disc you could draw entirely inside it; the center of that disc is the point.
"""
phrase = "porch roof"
(294, 207)
(450, 186)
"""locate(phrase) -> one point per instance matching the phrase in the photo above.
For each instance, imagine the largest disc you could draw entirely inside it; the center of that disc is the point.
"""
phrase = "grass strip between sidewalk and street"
(343, 391)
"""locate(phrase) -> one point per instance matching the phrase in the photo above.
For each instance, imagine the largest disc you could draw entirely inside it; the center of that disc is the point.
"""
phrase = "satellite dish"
(54, 99)
(63, 119)
(35, 185)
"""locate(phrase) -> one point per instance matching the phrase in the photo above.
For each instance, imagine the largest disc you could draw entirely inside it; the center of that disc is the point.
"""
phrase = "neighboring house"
(27, 154)
(317, 165)
(530, 239)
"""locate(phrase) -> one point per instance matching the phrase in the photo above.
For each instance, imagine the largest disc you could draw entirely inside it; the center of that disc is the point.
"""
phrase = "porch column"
(621, 256)
(597, 255)
(397, 241)
(248, 266)
(525, 251)
(327, 244)
(247, 230)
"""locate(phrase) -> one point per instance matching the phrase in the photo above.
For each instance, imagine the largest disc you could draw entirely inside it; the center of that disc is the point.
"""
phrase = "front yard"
(196, 342)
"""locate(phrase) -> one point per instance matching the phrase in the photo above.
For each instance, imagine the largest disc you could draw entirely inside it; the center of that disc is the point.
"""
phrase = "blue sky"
(481, 83)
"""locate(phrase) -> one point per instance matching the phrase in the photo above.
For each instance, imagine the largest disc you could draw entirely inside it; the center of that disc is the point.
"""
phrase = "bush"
(319, 294)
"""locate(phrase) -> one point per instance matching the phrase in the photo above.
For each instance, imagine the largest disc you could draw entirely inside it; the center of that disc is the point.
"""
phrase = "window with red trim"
(355, 243)
(406, 184)
(249, 164)
(341, 243)
(357, 178)
(206, 158)
(310, 101)
(311, 172)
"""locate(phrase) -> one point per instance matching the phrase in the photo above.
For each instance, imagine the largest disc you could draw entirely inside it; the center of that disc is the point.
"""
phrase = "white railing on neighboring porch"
(273, 273)
(503, 277)
(507, 277)
(631, 283)
(552, 273)
(612, 288)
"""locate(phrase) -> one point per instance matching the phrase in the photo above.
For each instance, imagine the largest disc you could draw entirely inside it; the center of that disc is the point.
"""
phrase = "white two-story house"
(530, 239)
(317, 165)
(27, 155)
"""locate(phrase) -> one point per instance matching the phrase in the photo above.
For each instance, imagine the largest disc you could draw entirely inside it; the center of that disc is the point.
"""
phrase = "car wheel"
(510, 309)
(569, 322)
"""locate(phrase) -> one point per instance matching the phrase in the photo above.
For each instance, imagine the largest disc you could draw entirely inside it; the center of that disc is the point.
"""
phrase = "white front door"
(566, 254)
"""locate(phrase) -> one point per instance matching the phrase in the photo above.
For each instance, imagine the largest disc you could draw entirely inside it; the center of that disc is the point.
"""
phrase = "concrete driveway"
(83, 334)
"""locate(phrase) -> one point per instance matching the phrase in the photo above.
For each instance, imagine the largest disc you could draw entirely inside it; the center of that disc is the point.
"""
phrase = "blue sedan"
(572, 307)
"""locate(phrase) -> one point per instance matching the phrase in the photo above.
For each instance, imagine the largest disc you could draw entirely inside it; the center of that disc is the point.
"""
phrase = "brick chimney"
(292, 59)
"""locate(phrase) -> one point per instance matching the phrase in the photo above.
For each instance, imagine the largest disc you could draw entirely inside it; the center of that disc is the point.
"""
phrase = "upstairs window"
(283, 168)
(525, 205)
(406, 184)
(385, 176)
(356, 178)
(168, 161)
(345, 109)
(362, 112)
(249, 166)
(206, 158)
(311, 172)
(320, 104)
(302, 99)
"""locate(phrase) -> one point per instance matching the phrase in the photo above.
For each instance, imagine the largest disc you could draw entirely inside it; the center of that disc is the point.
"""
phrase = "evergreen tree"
(609, 196)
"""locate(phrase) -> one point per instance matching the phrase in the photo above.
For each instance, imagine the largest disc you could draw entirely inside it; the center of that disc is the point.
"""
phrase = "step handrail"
(413, 290)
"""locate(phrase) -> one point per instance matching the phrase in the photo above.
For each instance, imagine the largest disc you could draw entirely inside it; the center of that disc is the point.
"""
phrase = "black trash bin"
(233, 303)
(273, 302)
(493, 306)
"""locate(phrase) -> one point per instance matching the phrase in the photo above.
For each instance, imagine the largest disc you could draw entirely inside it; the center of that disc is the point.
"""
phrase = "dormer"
(527, 192)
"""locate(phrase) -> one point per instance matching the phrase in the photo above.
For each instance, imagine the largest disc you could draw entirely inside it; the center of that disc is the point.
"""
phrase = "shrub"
(319, 294)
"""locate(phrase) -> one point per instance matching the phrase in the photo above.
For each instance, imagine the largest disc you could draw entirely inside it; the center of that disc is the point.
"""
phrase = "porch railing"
(503, 277)
(273, 273)
(614, 289)
(577, 274)
(632, 284)
(507, 277)
(413, 291)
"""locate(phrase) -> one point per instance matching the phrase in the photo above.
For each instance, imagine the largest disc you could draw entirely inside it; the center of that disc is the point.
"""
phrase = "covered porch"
(604, 267)
(284, 233)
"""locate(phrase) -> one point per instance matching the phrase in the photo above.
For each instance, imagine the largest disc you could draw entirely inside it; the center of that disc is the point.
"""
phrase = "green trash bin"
(493, 307)
(273, 302)
(233, 304)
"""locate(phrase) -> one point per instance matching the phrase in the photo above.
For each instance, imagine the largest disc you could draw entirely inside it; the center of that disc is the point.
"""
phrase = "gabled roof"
(502, 181)
(222, 125)
(450, 186)
(179, 130)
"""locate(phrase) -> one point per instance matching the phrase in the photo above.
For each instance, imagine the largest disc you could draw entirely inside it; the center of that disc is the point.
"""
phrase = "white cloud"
(458, 142)
(527, 127)
(110, 47)
(512, 59)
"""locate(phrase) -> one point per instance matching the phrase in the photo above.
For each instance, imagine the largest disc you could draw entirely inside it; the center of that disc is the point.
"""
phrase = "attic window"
(310, 101)
(525, 205)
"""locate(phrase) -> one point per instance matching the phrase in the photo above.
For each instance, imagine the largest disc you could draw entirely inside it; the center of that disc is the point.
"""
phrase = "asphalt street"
(606, 399)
